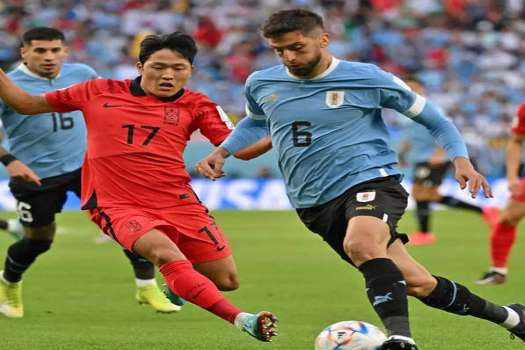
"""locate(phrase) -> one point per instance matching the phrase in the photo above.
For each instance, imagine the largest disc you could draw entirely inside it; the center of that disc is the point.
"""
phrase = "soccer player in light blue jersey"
(341, 174)
(44, 163)
(430, 166)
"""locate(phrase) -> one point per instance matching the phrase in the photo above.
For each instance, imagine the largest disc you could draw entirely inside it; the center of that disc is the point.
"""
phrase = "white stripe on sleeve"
(417, 107)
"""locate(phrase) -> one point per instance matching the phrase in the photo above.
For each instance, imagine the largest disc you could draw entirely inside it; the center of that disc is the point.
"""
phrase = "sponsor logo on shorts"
(366, 196)
(133, 226)
(366, 207)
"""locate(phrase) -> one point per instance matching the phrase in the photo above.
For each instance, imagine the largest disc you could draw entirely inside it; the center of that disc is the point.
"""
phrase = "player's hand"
(212, 166)
(18, 170)
(515, 187)
(466, 175)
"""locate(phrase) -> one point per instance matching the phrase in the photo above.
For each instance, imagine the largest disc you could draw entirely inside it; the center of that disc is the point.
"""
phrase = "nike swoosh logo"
(107, 105)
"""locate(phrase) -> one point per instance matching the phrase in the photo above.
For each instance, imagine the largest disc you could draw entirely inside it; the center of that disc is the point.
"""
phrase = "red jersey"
(135, 142)
(518, 125)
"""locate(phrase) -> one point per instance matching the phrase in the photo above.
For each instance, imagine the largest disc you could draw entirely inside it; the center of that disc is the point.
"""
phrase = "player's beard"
(306, 69)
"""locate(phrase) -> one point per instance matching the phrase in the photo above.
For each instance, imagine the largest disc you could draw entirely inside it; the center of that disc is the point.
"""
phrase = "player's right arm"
(19, 99)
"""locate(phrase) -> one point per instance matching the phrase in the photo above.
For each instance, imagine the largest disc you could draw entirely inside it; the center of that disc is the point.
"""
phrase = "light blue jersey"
(422, 144)
(53, 143)
(328, 131)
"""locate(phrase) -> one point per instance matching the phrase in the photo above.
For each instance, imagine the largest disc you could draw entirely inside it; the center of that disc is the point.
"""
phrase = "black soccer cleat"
(398, 344)
(519, 330)
(492, 278)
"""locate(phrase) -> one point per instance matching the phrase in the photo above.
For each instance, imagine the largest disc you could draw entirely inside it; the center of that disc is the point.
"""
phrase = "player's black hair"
(42, 33)
(177, 41)
(286, 21)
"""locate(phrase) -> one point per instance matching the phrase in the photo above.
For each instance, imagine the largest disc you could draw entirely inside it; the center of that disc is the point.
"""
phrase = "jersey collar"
(23, 68)
(136, 90)
(333, 65)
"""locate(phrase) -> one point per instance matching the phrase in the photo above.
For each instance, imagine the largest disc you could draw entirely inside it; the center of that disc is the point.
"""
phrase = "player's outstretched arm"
(253, 151)
(514, 156)
(17, 169)
(19, 99)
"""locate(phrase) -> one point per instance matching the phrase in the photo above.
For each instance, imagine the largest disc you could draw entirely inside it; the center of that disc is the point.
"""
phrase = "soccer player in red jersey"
(503, 234)
(134, 180)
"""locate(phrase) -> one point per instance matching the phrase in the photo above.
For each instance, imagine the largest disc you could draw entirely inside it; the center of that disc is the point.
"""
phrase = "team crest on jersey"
(171, 115)
(335, 99)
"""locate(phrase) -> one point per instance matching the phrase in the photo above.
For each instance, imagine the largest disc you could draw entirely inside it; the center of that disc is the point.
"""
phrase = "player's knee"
(360, 251)
(161, 255)
(421, 286)
(508, 218)
(228, 282)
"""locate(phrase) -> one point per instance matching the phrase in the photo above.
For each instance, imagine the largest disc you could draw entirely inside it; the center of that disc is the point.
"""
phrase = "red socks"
(502, 239)
(189, 284)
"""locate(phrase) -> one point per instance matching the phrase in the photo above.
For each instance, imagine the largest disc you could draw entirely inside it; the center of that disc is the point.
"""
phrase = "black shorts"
(430, 175)
(37, 205)
(383, 198)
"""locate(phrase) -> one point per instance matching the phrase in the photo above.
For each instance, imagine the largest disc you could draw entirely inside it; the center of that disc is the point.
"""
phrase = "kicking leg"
(450, 296)
(366, 244)
(194, 287)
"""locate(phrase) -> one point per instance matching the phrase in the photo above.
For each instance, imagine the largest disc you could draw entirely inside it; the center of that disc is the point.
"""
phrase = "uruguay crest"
(335, 99)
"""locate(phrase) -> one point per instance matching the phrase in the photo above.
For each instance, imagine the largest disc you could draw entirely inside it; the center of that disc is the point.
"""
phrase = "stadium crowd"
(467, 52)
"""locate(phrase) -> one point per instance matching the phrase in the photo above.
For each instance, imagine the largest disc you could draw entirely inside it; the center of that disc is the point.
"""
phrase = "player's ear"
(324, 40)
(140, 68)
(23, 52)
(66, 50)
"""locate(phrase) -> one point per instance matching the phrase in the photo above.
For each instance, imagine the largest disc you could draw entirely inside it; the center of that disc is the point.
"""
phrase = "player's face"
(301, 54)
(44, 57)
(164, 73)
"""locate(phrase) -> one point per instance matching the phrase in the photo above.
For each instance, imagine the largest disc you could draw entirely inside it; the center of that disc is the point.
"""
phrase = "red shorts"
(187, 224)
(521, 197)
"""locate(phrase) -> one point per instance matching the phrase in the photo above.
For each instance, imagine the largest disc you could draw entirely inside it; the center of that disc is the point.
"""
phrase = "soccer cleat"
(492, 278)
(398, 343)
(15, 229)
(519, 330)
(421, 238)
(174, 298)
(152, 295)
(262, 326)
(11, 298)
(490, 215)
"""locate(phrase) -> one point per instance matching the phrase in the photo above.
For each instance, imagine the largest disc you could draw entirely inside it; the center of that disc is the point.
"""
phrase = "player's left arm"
(21, 101)
(401, 98)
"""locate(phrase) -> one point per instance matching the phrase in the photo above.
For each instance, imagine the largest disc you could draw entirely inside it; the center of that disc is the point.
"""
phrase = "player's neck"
(321, 67)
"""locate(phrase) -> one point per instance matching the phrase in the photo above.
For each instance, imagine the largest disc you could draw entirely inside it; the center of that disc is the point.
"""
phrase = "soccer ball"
(350, 335)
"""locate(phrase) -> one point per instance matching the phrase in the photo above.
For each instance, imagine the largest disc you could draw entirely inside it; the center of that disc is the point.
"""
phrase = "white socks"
(144, 283)
(513, 319)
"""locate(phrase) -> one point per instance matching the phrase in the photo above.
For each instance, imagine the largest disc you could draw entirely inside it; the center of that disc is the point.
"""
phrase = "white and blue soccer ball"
(350, 335)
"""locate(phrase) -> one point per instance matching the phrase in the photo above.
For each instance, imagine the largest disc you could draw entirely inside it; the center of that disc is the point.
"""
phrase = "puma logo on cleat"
(380, 299)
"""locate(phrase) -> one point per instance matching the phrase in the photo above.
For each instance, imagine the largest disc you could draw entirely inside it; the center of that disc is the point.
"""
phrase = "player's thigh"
(157, 247)
(366, 238)
(222, 272)
(37, 209)
(513, 212)
(373, 212)
(197, 234)
(419, 280)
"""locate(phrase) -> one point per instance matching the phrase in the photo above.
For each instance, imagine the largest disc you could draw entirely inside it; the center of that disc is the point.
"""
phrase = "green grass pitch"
(80, 295)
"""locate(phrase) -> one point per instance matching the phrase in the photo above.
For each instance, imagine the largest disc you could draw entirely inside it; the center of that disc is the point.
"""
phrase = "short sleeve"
(69, 99)
(397, 95)
(253, 110)
(213, 122)
(518, 124)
